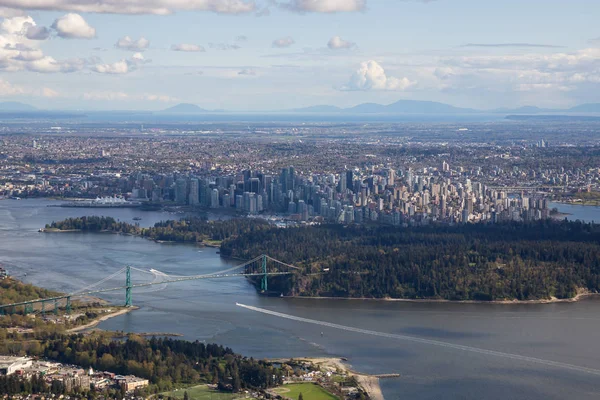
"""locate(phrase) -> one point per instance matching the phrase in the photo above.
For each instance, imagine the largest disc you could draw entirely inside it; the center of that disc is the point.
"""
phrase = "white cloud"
(529, 72)
(264, 12)
(105, 96)
(138, 57)
(325, 6)
(159, 97)
(161, 7)
(11, 12)
(8, 89)
(48, 64)
(37, 33)
(16, 25)
(224, 46)
(187, 47)
(47, 92)
(29, 55)
(120, 67)
(16, 50)
(283, 42)
(117, 68)
(371, 76)
(337, 43)
(127, 43)
(73, 26)
(122, 96)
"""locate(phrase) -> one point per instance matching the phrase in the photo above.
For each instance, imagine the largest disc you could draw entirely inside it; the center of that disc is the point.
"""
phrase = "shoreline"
(589, 203)
(368, 383)
(575, 299)
(103, 318)
(200, 244)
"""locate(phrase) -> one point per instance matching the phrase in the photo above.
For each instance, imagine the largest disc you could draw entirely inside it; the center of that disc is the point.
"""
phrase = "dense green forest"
(165, 362)
(507, 261)
(13, 291)
(187, 230)
(13, 384)
(524, 261)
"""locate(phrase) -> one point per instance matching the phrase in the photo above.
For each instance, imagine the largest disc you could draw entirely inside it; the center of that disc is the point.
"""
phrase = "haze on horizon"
(284, 54)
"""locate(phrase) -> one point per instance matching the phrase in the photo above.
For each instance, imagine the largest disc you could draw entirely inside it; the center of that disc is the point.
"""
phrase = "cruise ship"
(103, 202)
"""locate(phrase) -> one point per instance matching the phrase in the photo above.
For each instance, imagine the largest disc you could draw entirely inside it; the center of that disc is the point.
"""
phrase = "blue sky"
(278, 54)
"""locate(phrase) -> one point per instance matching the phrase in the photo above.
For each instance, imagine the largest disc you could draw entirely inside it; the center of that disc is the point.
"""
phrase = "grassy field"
(202, 392)
(309, 391)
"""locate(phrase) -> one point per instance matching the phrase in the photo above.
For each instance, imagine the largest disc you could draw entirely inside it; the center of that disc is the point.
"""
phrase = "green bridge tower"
(263, 285)
(128, 287)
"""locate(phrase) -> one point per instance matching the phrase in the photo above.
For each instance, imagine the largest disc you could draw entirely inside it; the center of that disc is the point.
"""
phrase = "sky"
(261, 55)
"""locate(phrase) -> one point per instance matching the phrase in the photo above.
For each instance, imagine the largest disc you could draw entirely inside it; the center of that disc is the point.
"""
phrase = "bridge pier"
(128, 287)
(68, 307)
(55, 306)
(264, 284)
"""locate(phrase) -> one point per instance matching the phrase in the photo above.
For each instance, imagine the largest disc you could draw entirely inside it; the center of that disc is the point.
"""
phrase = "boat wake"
(438, 343)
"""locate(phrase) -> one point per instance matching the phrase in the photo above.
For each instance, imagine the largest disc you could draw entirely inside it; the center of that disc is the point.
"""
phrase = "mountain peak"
(185, 108)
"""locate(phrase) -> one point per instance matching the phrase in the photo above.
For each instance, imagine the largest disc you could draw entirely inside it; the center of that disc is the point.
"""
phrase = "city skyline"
(250, 55)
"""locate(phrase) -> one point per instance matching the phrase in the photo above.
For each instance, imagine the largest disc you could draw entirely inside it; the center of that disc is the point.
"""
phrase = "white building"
(10, 365)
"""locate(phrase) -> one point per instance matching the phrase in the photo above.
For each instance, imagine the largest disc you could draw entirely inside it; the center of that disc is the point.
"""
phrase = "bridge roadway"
(139, 285)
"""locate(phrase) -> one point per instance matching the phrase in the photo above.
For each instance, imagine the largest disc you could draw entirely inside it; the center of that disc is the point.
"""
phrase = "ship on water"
(103, 202)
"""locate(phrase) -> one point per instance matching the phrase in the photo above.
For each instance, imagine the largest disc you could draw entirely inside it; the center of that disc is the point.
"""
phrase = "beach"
(102, 318)
(368, 383)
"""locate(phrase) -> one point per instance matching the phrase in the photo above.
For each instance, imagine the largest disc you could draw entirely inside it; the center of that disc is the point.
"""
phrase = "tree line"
(514, 260)
(167, 363)
(185, 230)
(524, 261)
(13, 291)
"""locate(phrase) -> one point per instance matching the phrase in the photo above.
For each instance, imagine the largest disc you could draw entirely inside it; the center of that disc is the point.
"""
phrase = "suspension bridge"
(261, 267)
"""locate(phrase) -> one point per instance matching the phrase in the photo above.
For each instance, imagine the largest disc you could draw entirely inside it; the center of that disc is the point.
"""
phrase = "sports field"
(309, 391)
(202, 392)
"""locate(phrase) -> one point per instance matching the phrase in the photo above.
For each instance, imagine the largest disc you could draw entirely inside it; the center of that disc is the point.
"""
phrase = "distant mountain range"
(187, 108)
(12, 106)
(432, 107)
(400, 107)
(397, 108)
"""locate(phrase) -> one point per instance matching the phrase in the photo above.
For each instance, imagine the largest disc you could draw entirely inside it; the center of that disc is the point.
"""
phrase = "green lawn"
(309, 391)
(202, 392)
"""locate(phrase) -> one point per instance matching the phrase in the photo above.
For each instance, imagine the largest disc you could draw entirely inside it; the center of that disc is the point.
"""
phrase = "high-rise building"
(214, 198)
(253, 206)
(255, 186)
(349, 180)
(181, 191)
(194, 196)
(283, 179)
(342, 184)
(259, 203)
(391, 177)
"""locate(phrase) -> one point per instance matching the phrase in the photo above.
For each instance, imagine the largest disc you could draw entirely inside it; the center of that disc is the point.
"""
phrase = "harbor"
(103, 202)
